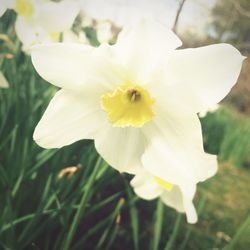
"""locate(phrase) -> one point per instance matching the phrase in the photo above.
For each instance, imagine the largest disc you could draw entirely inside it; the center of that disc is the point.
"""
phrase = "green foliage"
(227, 134)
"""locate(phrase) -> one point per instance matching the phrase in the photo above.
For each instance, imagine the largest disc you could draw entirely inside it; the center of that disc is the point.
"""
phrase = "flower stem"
(174, 234)
(82, 206)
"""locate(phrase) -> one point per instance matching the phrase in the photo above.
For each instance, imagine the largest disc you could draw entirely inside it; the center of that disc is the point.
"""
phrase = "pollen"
(24, 8)
(128, 105)
(164, 184)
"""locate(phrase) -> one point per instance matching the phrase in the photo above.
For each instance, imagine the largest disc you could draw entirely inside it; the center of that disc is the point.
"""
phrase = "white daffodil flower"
(70, 37)
(3, 81)
(138, 100)
(104, 28)
(41, 21)
(149, 187)
(127, 12)
(104, 31)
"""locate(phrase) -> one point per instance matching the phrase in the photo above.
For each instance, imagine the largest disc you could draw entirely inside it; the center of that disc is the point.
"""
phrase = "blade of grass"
(103, 203)
(94, 208)
(4, 176)
(238, 234)
(113, 237)
(46, 156)
(134, 220)
(25, 218)
(111, 221)
(29, 227)
(82, 206)
(90, 232)
(171, 241)
(159, 213)
(9, 136)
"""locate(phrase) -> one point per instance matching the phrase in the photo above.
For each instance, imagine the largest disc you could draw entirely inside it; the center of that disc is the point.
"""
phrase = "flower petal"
(29, 33)
(74, 66)
(173, 198)
(69, 117)
(142, 47)
(122, 148)
(145, 186)
(181, 198)
(202, 77)
(174, 149)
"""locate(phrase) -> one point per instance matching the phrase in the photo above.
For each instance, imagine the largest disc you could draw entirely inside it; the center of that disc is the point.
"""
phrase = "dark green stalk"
(82, 206)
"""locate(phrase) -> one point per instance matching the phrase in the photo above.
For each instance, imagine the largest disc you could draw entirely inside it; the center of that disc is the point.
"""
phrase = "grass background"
(37, 208)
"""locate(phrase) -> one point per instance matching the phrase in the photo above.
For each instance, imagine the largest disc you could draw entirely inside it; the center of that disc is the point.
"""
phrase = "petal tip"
(192, 220)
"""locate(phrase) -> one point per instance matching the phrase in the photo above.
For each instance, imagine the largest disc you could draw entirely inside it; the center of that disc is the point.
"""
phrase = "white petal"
(29, 33)
(145, 186)
(122, 148)
(57, 16)
(25, 30)
(202, 77)
(63, 65)
(104, 31)
(188, 193)
(181, 200)
(69, 117)
(142, 47)
(74, 66)
(174, 149)
(174, 199)
(71, 37)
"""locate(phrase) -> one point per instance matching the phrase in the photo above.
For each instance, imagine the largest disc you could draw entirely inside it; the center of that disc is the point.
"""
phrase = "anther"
(134, 95)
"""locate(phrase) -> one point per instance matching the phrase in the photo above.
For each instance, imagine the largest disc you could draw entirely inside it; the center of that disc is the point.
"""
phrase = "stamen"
(134, 95)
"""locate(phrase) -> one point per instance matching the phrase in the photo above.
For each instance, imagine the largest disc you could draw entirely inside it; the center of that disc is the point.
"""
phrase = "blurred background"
(40, 193)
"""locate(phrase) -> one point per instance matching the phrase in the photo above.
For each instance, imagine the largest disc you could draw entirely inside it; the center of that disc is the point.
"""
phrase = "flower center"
(128, 105)
(24, 8)
(164, 184)
(133, 95)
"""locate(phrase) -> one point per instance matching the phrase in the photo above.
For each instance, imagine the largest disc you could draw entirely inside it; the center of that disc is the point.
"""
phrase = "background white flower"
(45, 21)
(71, 37)
(104, 31)
(127, 12)
(110, 16)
